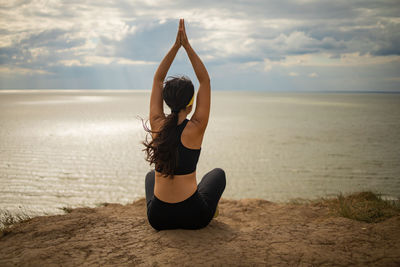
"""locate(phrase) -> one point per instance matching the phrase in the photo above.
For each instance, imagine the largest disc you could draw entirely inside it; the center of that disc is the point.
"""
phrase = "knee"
(220, 173)
(150, 175)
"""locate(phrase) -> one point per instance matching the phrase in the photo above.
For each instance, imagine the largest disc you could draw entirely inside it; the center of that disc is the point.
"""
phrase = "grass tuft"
(7, 219)
(67, 209)
(363, 206)
(102, 204)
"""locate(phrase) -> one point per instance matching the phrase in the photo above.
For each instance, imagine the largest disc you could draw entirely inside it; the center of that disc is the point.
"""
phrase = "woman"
(174, 200)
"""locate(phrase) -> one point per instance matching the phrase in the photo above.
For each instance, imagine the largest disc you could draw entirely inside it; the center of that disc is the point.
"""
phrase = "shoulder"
(192, 135)
(195, 127)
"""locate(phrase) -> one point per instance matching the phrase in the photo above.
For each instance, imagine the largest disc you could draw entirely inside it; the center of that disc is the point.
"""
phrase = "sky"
(265, 45)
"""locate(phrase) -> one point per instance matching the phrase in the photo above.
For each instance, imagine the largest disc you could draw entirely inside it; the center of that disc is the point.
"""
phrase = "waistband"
(183, 202)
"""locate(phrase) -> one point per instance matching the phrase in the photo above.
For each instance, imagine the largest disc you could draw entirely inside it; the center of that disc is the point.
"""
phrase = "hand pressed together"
(181, 37)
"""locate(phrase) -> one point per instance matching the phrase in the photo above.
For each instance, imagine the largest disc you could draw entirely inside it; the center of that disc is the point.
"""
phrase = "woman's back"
(187, 157)
(184, 182)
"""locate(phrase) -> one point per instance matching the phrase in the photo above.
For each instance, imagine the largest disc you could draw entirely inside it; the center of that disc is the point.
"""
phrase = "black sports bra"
(187, 157)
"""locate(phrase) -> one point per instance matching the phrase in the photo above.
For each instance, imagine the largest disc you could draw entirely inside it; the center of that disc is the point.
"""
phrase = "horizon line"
(219, 90)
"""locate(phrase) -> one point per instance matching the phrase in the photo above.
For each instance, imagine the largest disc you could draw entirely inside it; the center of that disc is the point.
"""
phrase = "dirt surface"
(246, 232)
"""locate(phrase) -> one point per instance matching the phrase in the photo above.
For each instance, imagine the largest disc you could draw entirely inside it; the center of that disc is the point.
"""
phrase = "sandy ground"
(246, 232)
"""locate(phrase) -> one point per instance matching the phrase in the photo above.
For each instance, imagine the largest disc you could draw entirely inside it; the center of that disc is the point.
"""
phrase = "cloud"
(25, 71)
(313, 75)
(99, 60)
(262, 36)
(326, 60)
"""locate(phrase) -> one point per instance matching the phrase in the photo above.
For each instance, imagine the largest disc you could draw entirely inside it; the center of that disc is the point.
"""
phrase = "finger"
(184, 33)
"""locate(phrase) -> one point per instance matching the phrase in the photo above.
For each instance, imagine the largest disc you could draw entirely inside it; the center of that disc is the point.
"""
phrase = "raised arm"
(156, 99)
(202, 111)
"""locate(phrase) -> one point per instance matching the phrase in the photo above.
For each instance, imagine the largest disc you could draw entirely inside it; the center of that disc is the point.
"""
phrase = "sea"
(72, 148)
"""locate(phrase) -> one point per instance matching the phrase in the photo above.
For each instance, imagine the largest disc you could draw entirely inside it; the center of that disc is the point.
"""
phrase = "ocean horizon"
(4, 90)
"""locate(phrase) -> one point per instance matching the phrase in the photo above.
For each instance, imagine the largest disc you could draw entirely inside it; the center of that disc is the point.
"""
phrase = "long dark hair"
(162, 150)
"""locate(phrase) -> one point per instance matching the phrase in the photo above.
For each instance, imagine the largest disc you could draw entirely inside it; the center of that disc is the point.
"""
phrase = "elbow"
(205, 80)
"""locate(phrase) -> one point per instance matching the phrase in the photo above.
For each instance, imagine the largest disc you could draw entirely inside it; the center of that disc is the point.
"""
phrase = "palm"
(181, 38)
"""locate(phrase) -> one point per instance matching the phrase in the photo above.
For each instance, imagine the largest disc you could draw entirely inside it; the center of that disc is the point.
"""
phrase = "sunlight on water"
(69, 100)
(74, 148)
(98, 128)
(304, 101)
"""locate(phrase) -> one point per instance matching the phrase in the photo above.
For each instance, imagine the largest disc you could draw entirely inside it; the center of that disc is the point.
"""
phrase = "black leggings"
(192, 213)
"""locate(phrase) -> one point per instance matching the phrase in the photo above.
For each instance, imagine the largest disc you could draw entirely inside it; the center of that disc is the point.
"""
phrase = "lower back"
(174, 190)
